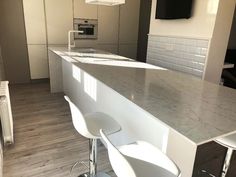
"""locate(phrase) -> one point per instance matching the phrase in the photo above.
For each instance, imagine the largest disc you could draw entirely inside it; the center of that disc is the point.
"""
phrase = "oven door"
(89, 31)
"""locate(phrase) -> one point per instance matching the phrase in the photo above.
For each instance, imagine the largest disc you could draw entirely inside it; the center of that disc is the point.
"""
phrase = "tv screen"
(173, 9)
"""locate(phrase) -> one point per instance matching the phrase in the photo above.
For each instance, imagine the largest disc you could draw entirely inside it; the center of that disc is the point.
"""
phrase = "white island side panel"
(91, 95)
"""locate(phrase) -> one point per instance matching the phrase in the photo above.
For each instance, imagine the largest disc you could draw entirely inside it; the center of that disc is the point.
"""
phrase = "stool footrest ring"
(207, 173)
(85, 163)
(99, 174)
(79, 162)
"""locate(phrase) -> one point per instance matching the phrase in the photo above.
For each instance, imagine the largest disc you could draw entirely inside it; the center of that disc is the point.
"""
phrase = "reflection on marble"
(199, 110)
(116, 62)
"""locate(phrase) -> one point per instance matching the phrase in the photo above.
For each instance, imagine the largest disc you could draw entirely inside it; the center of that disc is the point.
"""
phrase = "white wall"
(174, 44)
(200, 25)
(211, 20)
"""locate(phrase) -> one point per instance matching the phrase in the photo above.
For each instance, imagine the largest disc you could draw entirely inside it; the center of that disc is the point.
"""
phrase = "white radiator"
(6, 113)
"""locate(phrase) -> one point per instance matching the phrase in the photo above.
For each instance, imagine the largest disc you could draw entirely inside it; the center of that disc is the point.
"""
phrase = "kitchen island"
(171, 110)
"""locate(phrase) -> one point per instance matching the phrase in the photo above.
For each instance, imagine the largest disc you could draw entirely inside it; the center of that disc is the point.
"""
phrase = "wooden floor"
(46, 144)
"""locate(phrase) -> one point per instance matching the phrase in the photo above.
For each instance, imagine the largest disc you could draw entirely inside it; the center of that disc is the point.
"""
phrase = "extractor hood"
(105, 2)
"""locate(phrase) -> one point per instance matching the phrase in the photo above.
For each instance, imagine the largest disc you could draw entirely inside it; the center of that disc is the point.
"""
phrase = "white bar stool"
(89, 125)
(140, 159)
(230, 143)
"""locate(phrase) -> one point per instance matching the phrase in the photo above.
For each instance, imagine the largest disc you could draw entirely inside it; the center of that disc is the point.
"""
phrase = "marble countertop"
(199, 110)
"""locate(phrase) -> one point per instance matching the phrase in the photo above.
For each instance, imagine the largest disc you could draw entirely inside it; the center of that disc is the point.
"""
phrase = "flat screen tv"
(173, 9)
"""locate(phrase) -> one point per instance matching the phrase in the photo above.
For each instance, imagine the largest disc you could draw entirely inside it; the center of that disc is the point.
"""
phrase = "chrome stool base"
(92, 167)
(76, 164)
(227, 160)
(99, 174)
(98, 121)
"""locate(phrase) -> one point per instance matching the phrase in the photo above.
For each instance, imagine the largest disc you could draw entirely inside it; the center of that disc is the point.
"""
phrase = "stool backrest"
(118, 161)
(228, 141)
(122, 167)
(78, 119)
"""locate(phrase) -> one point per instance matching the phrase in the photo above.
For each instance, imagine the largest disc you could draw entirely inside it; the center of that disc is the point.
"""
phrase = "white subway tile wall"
(180, 54)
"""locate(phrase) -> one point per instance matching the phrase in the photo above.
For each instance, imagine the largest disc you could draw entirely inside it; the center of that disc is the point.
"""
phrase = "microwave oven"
(88, 28)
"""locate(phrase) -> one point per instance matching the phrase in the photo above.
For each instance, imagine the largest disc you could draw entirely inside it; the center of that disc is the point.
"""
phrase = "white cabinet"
(112, 48)
(58, 21)
(128, 50)
(38, 61)
(35, 26)
(86, 11)
(47, 22)
(108, 24)
(128, 31)
(34, 21)
(129, 21)
(59, 15)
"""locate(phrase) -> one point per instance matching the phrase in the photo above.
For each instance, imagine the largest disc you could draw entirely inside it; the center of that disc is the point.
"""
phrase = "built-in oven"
(88, 28)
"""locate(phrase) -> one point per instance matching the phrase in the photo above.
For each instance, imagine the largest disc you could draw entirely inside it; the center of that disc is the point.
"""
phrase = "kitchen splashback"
(187, 55)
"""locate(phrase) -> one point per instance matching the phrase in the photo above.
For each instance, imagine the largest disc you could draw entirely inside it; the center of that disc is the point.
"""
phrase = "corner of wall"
(219, 41)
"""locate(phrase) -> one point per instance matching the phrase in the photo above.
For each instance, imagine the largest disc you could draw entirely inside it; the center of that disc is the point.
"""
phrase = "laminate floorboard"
(46, 143)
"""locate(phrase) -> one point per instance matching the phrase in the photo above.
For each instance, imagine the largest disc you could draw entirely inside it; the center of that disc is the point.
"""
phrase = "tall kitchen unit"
(47, 22)
(59, 18)
(108, 28)
(117, 26)
(35, 26)
(128, 28)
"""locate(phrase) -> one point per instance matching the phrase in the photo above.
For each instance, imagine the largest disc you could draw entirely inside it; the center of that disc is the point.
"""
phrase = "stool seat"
(140, 159)
(98, 120)
(147, 160)
(228, 141)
